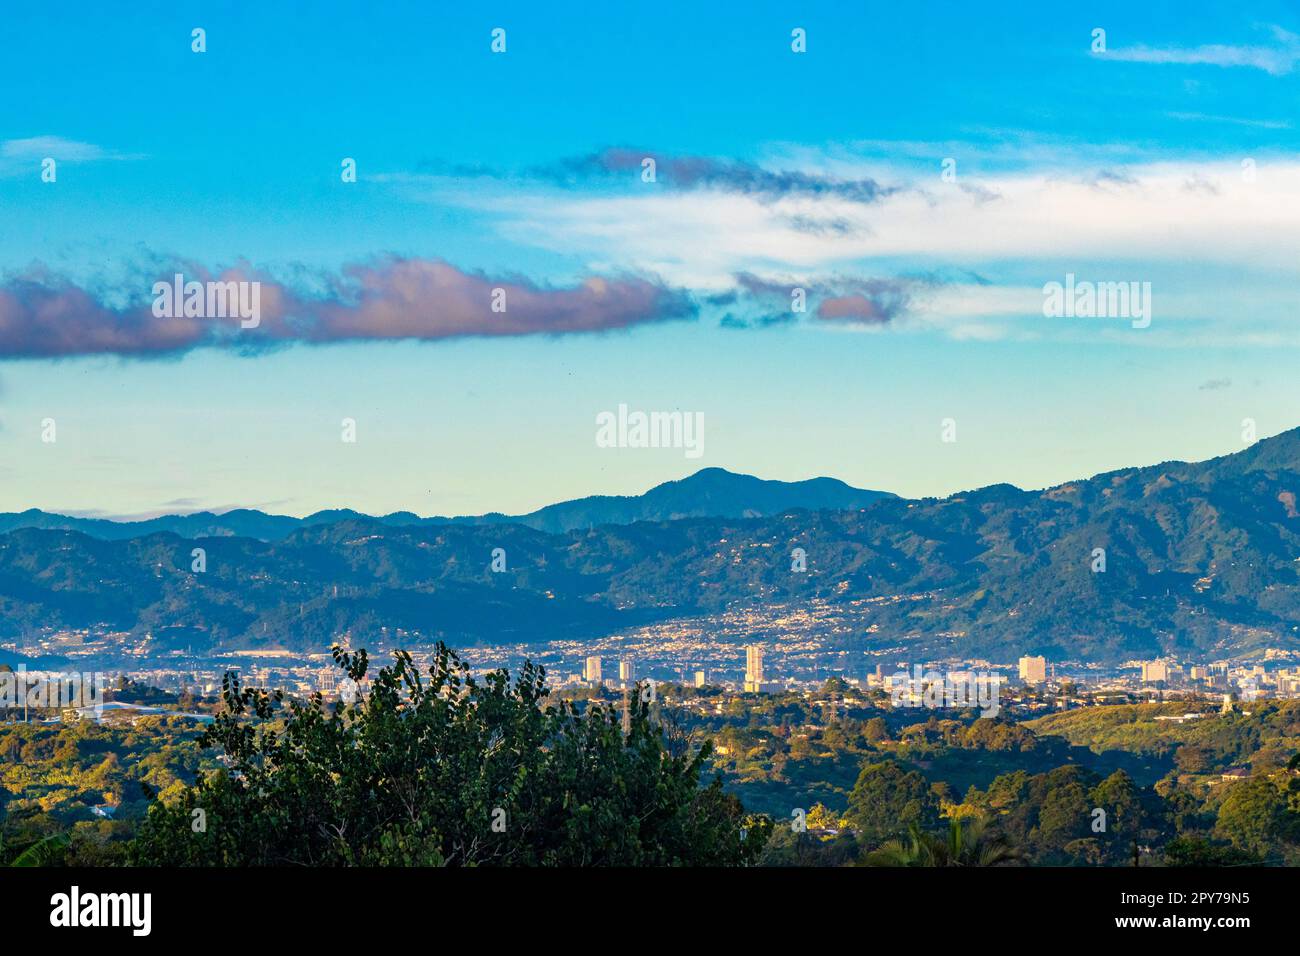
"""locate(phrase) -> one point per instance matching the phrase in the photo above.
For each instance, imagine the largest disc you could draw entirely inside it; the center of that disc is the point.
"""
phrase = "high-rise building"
(1033, 670)
(753, 668)
(626, 671)
(701, 678)
(1153, 671)
(591, 672)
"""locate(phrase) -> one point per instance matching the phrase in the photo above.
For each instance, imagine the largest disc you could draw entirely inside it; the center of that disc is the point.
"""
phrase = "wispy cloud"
(19, 155)
(1277, 58)
(1231, 120)
(702, 172)
(1184, 222)
(648, 168)
(1224, 214)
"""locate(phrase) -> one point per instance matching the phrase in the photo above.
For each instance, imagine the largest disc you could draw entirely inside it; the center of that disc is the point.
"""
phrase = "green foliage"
(1255, 816)
(887, 800)
(47, 851)
(967, 842)
(418, 771)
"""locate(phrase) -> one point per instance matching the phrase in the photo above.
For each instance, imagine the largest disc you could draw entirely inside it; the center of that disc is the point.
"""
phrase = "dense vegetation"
(448, 771)
(420, 769)
(866, 776)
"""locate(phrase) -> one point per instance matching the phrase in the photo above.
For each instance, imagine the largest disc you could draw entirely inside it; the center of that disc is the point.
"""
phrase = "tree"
(875, 730)
(1197, 851)
(967, 843)
(821, 818)
(887, 800)
(1118, 795)
(448, 771)
(1065, 812)
(1254, 815)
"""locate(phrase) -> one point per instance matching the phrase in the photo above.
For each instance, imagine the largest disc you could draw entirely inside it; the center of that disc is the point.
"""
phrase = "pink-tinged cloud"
(853, 308)
(869, 301)
(43, 317)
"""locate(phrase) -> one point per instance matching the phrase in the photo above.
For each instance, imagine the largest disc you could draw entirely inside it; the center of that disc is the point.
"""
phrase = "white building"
(1153, 671)
(591, 672)
(1033, 670)
(753, 668)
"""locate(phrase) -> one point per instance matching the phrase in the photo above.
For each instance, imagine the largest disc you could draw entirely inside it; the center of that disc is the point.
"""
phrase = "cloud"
(761, 302)
(18, 155)
(44, 316)
(1171, 212)
(1277, 59)
(858, 309)
(1230, 120)
(701, 172)
(621, 165)
(1214, 384)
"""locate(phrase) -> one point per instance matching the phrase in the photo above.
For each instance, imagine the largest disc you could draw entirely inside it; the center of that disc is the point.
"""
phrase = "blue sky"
(819, 170)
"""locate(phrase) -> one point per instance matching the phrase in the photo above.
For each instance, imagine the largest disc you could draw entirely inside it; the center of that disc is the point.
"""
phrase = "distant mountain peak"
(711, 492)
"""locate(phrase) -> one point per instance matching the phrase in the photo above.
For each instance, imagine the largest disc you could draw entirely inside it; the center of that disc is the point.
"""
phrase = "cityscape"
(444, 448)
(792, 665)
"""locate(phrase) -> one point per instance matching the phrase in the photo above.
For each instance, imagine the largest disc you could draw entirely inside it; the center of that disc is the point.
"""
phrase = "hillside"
(1200, 560)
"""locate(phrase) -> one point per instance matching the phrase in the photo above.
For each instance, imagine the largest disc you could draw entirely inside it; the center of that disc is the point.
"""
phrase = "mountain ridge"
(1195, 560)
(710, 492)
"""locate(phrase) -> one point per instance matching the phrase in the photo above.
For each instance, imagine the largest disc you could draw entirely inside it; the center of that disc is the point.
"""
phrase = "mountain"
(712, 492)
(1194, 559)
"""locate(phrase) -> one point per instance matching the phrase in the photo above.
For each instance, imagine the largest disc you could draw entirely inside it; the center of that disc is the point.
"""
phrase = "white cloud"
(1277, 59)
(1217, 240)
(1171, 213)
(19, 155)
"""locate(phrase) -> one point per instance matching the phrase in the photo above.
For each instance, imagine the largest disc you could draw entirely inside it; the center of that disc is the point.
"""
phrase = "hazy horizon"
(180, 511)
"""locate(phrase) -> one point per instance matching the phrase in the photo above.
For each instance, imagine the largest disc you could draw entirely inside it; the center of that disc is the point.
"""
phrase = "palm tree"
(967, 843)
(47, 851)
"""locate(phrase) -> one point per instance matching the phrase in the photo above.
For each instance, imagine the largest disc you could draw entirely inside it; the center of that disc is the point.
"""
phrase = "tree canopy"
(445, 769)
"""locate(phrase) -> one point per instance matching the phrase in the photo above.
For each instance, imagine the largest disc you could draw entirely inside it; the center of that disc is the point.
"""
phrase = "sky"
(920, 172)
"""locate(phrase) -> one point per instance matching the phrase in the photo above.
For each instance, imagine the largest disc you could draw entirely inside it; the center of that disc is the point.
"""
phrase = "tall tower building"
(753, 668)
(591, 671)
(626, 671)
(1033, 670)
(1153, 671)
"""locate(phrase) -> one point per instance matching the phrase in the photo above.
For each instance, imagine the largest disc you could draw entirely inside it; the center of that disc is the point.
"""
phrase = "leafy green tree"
(1119, 796)
(445, 771)
(875, 730)
(1254, 815)
(1065, 813)
(887, 800)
